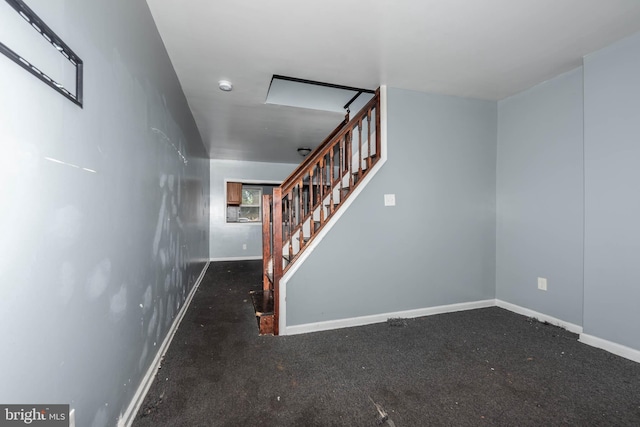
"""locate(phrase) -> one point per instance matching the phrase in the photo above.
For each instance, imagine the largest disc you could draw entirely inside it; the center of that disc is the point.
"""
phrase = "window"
(250, 207)
(244, 200)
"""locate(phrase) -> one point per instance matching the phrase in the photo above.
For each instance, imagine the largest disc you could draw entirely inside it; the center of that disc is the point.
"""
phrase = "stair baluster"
(369, 140)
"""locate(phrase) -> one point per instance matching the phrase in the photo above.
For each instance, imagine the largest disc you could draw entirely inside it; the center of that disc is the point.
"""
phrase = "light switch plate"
(542, 283)
(389, 199)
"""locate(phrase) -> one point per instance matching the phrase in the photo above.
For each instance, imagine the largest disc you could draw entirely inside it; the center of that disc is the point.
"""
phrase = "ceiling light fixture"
(304, 151)
(225, 85)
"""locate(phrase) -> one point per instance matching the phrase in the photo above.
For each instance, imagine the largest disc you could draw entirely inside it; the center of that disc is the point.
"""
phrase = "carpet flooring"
(479, 367)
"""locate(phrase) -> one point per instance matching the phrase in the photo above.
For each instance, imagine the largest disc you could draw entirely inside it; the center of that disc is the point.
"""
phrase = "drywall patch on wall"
(143, 356)
(98, 280)
(146, 299)
(118, 303)
(167, 282)
(100, 419)
(66, 226)
(159, 225)
(152, 322)
(170, 310)
(68, 279)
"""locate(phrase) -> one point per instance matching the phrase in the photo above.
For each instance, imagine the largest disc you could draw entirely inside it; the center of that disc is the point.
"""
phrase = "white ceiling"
(487, 49)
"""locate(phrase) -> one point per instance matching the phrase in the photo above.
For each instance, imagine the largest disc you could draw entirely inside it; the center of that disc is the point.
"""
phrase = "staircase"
(307, 200)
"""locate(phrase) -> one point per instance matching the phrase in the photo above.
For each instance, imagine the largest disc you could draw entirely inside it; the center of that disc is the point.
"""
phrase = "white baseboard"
(576, 329)
(126, 419)
(379, 318)
(611, 347)
(236, 258)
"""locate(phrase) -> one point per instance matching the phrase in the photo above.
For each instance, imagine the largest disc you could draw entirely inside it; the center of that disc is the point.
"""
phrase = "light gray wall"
(540, 198)
(226, 239)
(612, 182)
(437, 245)
(94, 266)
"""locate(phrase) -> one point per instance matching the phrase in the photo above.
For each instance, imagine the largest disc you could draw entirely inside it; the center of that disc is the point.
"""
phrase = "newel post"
(266, 243)
(378, 127)
(277, 254)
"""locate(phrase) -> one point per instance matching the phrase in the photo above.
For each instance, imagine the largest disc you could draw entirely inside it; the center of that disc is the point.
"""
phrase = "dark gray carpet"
(479, 367)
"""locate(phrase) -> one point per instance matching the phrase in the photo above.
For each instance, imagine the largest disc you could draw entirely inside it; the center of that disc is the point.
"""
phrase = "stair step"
(262, 302)
(263, 306)
(266, 324)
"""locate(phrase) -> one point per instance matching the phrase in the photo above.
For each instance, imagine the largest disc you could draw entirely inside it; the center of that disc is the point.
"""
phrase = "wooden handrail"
(312, 156)
(322, 149)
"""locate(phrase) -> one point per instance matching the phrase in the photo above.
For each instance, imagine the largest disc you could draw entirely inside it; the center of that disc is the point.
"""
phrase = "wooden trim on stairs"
(267, 271)
(277, 254)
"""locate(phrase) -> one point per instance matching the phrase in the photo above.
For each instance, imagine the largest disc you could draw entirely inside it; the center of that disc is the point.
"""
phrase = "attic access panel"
(294, 92)
(42, 47)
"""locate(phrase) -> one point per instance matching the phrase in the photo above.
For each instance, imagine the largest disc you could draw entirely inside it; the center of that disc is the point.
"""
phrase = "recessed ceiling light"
(225, 85)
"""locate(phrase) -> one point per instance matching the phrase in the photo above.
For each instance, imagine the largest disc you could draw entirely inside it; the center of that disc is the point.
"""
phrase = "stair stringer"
(309, 249)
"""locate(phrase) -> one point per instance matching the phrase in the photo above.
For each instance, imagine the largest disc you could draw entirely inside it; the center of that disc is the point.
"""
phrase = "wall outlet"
(542, 283)
(244, 246)
(389, 199)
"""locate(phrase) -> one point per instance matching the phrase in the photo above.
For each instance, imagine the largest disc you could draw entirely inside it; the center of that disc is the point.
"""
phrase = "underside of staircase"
(307, 200)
